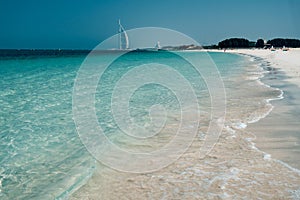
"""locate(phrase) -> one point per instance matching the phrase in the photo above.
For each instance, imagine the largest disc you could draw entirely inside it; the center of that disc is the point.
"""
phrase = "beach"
(247, 162)
(278, 134)
(255, 156)
(287, 61)
(150, 100)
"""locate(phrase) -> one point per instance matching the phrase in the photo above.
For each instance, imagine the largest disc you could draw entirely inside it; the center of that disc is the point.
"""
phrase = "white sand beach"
(278, 133)
(235, 169)
(287, 61)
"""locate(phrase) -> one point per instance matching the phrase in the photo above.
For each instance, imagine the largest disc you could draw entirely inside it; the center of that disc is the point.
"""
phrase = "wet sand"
(279, 133)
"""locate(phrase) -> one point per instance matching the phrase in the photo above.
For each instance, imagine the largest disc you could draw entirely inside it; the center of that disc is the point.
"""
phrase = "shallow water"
(235, 168)
(42, 156)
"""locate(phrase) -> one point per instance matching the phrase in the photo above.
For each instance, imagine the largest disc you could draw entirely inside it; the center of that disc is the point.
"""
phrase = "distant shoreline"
(33, 53)
(7, 53)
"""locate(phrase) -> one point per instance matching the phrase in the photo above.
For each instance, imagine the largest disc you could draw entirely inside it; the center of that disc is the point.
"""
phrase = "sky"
(75, 24)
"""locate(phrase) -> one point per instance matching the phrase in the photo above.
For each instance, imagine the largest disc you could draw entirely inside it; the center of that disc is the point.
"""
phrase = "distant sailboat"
(123, 38)
(157, 46)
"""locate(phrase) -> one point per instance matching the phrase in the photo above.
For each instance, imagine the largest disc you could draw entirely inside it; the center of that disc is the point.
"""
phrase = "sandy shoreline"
(234, 169)
(287, 61)
(278, 133)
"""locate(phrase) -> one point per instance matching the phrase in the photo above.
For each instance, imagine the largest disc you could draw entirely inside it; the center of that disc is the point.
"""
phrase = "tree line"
(279, 42)
(234, 43)
(245, 43)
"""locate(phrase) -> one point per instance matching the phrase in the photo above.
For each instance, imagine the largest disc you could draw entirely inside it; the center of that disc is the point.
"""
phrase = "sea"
(48, 153)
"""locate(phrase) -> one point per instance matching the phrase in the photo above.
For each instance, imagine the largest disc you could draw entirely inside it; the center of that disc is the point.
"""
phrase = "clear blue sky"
(74, 24)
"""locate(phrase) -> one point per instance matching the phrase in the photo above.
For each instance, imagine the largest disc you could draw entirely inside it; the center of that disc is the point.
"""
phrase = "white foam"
(267, 156)
(239, 125)
(230, 131)
(257, 118)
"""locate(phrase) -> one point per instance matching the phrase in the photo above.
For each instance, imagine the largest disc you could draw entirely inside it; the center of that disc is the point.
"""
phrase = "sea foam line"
(281, 96)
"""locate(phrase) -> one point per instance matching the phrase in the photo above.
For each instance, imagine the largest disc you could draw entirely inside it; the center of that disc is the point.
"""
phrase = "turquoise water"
(41, 154)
